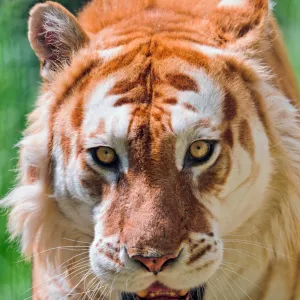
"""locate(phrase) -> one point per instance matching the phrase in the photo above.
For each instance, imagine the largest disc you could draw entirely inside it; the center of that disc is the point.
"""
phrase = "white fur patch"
(208, 104)
(55, 21)
(232, 3)
(116, 119)
(97, 107)
(108, 54)
(211, 51)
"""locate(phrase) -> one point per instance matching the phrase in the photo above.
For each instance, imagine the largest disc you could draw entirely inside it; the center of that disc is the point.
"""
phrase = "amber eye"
(104, 155)
(200, 150)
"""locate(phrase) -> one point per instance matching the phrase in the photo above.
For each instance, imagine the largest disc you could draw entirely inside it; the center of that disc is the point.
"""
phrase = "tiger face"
(170, 164)
(155, 164)
(157, 145)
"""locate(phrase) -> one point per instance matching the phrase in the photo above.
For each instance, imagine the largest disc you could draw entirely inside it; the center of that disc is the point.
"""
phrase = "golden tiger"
(162, 160)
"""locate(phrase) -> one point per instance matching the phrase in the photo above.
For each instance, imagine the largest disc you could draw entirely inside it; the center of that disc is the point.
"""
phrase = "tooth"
(142, 294)
(152, 295)
(172, 294)
(183, 292)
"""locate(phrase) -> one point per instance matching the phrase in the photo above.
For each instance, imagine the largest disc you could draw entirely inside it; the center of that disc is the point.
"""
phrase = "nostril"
(142, 265)
(167, 262)
(154, 264)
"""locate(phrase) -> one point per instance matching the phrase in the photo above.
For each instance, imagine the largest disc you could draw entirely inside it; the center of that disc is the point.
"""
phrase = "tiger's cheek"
(246, 185)
(76, 186)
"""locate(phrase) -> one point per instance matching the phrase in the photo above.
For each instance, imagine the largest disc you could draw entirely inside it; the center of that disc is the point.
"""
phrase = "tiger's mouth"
(158, 291)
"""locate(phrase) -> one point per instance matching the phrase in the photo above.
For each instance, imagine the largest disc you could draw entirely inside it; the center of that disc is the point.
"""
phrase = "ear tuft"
(233, 20)
(55, 35)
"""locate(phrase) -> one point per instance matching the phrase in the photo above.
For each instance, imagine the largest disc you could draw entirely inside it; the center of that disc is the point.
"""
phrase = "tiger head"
(152, 140)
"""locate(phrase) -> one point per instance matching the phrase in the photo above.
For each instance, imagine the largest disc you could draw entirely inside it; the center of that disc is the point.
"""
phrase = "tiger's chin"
(176, 281)
(158, 291)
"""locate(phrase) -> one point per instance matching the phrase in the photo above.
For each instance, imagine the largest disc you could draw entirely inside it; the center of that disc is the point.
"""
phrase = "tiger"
(162, 159)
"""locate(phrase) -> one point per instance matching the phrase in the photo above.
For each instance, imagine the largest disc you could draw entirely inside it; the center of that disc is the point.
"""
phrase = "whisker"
(104, 293)
(231, 270)
(98, 286)
(220, 289)
(95, 290)
(236, 284)
(70, 293)
(127, 280)
(44, 251)
(77, 261)
(258, 245)
(246, 234)
(230, 263)
(48, 280)
(228, 283)
(223, 281)
(209, 285)
(81, 264)
(90, 286)
(77, 241)
(243, 252)
(111, 286)
(51, 278)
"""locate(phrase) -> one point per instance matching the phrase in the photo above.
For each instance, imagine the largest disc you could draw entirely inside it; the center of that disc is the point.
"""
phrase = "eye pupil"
(104, 155)
(200, 150)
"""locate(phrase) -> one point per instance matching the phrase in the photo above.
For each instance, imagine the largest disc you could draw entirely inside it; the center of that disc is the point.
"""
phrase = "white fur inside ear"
(57, 24)
(232, 3)
(55, 35)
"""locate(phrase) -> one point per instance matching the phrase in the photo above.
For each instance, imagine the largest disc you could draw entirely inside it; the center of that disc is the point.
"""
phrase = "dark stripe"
(246, 138)
(171, 101)
(124, 60)
(182, 82)
(62, 98)
(124, 101)
(190, 107)
(199, 254)
(227, 137)
(229, 107)
(259, 105)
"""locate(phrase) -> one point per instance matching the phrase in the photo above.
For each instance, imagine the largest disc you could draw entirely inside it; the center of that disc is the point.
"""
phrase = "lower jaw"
(194, 294)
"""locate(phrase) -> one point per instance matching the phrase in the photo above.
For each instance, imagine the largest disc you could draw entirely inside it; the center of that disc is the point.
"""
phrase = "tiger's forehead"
(163, 92)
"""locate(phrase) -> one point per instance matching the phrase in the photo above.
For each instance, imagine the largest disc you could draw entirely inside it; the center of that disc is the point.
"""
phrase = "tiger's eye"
(199, 149)
(106, 155)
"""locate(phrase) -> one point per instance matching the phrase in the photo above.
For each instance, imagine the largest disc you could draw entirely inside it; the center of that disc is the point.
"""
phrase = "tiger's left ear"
(55, 35)
(239, 23)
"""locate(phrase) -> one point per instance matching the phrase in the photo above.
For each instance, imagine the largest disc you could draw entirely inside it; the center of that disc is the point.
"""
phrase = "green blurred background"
(19, 81)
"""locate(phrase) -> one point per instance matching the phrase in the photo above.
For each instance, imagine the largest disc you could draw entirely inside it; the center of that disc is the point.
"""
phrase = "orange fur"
(146, 55)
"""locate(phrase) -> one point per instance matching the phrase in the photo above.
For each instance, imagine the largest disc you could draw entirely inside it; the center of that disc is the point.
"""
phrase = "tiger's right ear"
(54, 35)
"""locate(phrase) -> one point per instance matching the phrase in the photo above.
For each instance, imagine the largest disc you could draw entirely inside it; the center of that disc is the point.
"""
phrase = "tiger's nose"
(155, 264)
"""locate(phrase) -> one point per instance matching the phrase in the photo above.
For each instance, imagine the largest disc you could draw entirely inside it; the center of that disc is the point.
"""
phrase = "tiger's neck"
(47, 286)
(248, 272)
(256, 264)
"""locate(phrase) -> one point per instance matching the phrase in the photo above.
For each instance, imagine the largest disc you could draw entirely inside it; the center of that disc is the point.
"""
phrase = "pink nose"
(154, 264)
